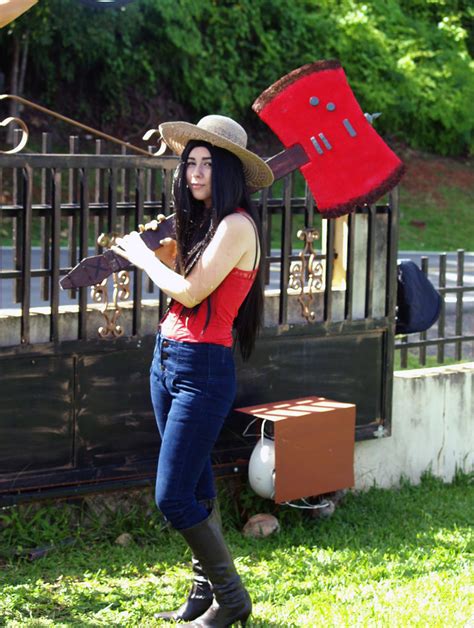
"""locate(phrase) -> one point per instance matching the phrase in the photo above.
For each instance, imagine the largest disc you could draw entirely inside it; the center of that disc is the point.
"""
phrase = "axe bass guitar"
(93, 270)
(326, 136)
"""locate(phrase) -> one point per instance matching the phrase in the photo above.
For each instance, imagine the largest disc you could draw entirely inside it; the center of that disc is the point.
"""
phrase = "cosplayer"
(211, 273)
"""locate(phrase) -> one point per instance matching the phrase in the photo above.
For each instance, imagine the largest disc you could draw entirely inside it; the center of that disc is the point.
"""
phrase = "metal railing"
(452, 335)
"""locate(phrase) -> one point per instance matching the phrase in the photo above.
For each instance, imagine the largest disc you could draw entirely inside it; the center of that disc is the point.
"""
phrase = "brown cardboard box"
(314, 445)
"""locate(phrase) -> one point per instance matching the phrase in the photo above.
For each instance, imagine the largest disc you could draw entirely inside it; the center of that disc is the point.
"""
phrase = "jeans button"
(166, 343)
(164, 355)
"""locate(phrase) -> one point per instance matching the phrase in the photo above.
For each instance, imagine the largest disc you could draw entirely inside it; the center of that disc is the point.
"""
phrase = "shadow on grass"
(390, 533)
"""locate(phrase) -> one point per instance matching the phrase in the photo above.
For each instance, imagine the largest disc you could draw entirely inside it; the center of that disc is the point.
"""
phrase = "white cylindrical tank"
(262, 468)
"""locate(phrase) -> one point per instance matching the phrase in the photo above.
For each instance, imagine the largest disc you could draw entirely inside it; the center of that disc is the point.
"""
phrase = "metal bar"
(442, 315)
(309, 207)
(55, 257)
(392, 252)
(45, 228)
(457, 289)
(263, 211)
(459, 302)
(308, 218)
(15, 198)
(128, 185)
(72, 178)
(112, 201)
(369, 276)
(268, 232)
(431, 342)
(137, 283)
(166, 196)
(327, 316)
(98, 151)
(18, 226)
(150, 181)
(45, 179)
(423, 334)
(351, 226)
(26, 255)
(391, 290)
(286, 249)
(98, 160)
(83, 248)
(152, 197)
(122, 178)
(72, 234)
(392, 209)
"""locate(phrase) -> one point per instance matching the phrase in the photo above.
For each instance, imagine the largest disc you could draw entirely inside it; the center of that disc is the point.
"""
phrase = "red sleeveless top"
(181, 324)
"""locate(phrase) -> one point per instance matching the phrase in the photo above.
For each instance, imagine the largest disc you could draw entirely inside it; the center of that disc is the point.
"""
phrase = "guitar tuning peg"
(370, 117)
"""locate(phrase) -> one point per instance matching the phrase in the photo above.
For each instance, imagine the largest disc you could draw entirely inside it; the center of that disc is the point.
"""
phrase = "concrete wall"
(432, 429)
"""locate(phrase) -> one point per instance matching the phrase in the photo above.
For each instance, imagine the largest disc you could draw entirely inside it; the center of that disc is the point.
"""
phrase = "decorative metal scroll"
(24, 136)
(121, 292)
(309, 266)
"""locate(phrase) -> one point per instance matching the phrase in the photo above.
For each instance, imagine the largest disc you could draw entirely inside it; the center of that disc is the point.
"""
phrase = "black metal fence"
(452, 337)
(81, 360)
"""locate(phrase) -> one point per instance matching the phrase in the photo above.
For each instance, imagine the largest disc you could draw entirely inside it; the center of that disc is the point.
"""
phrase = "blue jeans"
(192, 391)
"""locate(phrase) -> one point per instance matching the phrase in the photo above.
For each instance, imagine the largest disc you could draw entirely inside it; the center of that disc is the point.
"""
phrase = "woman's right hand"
(167, 251)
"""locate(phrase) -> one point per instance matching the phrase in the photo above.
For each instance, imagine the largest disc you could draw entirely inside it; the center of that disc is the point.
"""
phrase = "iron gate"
(75, 413)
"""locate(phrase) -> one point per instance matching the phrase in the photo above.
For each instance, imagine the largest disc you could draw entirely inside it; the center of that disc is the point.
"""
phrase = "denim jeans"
(192, 391)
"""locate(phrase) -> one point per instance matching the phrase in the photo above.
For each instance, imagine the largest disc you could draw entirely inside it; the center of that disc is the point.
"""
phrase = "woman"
(214, 288)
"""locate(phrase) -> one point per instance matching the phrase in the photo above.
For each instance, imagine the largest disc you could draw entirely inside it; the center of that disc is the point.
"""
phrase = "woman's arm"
(234, 238)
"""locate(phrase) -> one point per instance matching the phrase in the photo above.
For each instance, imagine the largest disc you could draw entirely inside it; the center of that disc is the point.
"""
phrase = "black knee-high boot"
(200, 597)
(198, 601)
(232, 602)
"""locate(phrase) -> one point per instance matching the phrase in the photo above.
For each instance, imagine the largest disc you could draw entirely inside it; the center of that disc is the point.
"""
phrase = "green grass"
(448, 220)
(386, 558)
(413, 361)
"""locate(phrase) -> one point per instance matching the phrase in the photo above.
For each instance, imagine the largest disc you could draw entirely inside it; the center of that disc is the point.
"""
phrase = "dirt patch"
(429, 175)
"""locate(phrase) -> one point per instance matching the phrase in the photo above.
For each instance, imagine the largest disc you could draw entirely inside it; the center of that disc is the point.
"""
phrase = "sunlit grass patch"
(385, 558)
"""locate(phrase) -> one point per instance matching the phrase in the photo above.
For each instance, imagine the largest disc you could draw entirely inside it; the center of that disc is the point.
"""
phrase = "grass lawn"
(436, 203)
(385, 558)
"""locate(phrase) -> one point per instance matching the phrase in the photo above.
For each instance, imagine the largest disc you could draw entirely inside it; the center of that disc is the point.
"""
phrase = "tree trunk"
(15, 68)
(24, 62)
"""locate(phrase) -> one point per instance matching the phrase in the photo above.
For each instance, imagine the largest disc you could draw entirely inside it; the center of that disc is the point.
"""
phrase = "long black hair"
(196, 224)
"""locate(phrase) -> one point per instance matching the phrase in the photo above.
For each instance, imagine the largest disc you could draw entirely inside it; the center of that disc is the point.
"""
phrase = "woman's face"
(199, 174)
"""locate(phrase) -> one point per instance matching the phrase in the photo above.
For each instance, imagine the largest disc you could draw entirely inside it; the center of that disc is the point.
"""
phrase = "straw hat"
(225, 133)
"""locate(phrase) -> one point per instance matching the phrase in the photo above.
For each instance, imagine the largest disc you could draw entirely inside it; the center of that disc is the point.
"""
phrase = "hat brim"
(177, 134)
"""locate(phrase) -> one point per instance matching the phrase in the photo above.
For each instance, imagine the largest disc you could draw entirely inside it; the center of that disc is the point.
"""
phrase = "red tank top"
(224, 302)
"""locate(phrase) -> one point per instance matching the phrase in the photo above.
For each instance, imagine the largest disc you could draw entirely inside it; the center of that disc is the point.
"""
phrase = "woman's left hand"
(133, 248)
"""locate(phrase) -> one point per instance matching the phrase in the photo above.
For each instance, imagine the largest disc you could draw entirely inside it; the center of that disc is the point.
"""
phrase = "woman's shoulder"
(239, 221)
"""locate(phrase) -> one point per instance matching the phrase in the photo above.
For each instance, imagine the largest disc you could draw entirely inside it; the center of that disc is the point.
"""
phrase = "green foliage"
(409, 59)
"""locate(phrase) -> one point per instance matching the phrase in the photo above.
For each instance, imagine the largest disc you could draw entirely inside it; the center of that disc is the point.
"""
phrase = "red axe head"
(348, 162)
